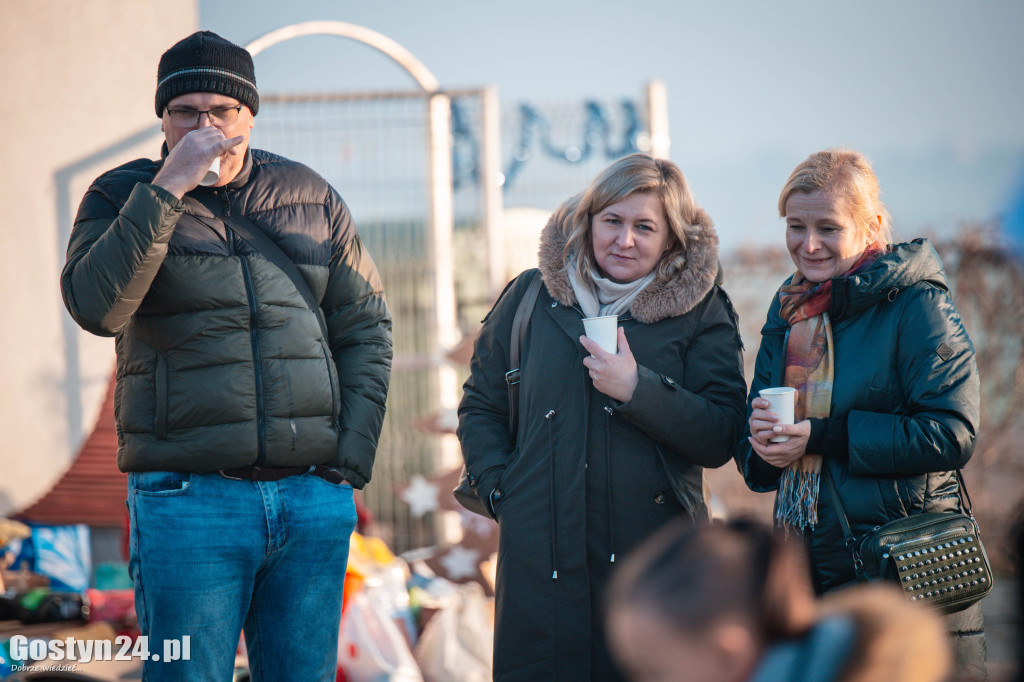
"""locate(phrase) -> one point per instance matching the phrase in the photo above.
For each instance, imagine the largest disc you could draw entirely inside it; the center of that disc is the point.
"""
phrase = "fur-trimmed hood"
(664, 297)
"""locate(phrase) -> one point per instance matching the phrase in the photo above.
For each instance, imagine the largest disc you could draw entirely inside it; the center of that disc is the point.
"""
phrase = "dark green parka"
(588, 478)
(220, 363)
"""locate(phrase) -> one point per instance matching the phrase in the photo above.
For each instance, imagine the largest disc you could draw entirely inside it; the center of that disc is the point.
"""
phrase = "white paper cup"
(603, 331)
(212, 175)
(780, 401)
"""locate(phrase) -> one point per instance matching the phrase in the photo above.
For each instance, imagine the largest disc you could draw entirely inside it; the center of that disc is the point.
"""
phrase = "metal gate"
(423, 174)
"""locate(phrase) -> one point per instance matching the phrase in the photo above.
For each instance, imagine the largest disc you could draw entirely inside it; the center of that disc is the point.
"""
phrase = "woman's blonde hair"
(628, 175)
(844, 174)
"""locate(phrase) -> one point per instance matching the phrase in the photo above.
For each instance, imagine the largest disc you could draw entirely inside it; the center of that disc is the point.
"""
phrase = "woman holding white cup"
(887, 404)
(611, 442)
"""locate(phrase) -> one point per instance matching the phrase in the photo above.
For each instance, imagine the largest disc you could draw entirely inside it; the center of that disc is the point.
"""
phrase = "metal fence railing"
(374, 148)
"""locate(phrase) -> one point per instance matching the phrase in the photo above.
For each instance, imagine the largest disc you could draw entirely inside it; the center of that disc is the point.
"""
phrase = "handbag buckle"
(858, 562)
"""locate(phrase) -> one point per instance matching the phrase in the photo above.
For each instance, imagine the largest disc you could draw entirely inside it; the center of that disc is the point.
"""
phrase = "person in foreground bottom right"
(886, 378)
(733, 602)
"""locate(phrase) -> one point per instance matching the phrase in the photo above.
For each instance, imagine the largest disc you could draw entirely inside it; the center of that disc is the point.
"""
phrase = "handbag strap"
(851, 541)
(965, 497)
(258, 239)
(844, 522)
(519, 324)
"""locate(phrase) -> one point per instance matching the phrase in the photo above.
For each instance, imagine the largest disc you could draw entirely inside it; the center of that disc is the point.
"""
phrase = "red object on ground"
(116, 607)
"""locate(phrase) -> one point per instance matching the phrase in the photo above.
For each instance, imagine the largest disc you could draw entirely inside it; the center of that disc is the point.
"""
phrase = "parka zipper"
(254, 338)
(625, 317)
(608, 482)
(554, 511)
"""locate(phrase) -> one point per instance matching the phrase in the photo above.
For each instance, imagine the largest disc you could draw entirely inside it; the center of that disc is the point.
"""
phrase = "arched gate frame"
(422, 366)
(443, 326)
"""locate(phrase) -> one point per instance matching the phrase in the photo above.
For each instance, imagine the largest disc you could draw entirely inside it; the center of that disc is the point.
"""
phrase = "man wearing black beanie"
(197, 73)
(253, 359)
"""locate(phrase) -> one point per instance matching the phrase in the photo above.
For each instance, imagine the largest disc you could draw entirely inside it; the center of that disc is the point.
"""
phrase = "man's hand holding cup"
(189, 163)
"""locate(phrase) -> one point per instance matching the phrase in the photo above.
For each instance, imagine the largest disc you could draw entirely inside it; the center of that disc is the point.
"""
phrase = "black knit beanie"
(205, 62)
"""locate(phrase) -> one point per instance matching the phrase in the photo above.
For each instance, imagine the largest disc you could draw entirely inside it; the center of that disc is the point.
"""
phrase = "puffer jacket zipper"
(549, 417)
(254, 338)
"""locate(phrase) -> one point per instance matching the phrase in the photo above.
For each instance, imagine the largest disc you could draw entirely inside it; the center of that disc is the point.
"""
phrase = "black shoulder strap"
(840, 511)
(522, 319)
(259, 240)
(965, 498)
(851, 542)
(519, 324)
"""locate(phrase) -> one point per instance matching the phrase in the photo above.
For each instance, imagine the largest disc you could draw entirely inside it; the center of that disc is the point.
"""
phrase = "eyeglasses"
(188, 118)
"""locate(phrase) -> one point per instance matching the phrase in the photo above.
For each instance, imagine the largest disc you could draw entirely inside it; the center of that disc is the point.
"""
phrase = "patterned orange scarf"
(810, 369)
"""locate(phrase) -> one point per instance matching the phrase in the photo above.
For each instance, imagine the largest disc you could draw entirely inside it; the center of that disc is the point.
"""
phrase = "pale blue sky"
(931, 90)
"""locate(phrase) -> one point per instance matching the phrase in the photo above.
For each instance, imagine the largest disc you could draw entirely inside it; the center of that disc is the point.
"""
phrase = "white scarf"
(605, 297)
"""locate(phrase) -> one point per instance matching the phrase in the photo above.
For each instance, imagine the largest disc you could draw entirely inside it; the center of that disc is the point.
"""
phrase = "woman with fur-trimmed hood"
(609, 446)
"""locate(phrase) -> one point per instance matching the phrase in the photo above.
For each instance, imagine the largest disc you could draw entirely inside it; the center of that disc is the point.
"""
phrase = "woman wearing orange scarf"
(886, 379)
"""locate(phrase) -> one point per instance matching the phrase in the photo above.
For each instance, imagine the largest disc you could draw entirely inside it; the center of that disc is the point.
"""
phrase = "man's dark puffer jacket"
(220, 363)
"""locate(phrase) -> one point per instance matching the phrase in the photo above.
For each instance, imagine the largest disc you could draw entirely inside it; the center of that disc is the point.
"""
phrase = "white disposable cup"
(781, 401)
(212, 175)
(604, 331)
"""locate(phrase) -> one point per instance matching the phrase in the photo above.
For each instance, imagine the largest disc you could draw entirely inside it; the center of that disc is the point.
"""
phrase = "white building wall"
(77, 82)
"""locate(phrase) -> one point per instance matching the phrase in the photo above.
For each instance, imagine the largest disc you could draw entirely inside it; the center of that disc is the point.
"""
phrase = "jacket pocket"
(689, 486)
(160, 407)
(513, 458)
(160, 483)
(884, 400)
(335, 381)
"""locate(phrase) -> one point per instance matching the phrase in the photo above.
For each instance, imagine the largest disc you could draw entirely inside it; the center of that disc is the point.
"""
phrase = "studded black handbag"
(936, 557)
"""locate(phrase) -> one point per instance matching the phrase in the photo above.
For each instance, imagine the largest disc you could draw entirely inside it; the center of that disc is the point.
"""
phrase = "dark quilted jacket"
(220, 363)
(906, 380)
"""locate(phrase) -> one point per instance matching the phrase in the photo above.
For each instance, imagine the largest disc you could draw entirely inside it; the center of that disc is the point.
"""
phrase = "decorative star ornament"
(461, 563)
(420, 495)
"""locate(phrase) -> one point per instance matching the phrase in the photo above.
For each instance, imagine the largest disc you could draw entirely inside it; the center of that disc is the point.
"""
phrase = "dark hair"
(692, 576)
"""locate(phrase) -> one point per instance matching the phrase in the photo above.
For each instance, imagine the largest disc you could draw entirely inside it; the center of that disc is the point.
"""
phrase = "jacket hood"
(902, 266)
(664, 297)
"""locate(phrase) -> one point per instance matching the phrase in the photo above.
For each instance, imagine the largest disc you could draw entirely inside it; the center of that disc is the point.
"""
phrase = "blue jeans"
(211, 556)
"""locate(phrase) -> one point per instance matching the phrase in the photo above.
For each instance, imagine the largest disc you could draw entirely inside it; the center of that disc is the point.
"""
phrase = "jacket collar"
(662, 298)
(900, 267)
